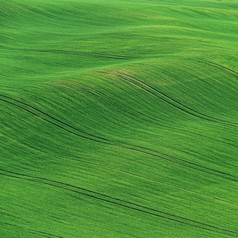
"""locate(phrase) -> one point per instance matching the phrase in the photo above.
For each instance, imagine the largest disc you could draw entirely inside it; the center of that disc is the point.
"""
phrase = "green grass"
(118, 118)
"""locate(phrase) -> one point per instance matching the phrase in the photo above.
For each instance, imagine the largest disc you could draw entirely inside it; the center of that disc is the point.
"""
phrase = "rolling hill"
(119, 118)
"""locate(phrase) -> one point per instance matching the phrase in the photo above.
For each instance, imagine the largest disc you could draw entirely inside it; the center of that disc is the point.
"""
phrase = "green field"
(118, 118)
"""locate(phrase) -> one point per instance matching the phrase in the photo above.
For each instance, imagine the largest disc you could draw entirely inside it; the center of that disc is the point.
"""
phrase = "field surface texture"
(118, 118)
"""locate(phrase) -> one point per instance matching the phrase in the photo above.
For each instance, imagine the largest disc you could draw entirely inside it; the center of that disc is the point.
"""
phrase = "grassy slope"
(118, 118)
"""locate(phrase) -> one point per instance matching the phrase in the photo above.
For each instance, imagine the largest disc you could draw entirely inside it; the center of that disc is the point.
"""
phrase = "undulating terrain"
(118, 118)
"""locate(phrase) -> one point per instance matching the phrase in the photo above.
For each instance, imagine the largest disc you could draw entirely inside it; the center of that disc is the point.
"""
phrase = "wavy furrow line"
(219, 66)
(49, 116)
(122, 203)
(177, 104)
(110, 168)
(109, 100)
(32, 231)
(134, 148)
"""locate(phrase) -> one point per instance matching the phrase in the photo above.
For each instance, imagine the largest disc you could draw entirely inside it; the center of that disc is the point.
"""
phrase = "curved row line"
(168, 100)
(168, 184)
(219, 66)
(122, 203)
(32, 231)
(139, 149)
(145, 116)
